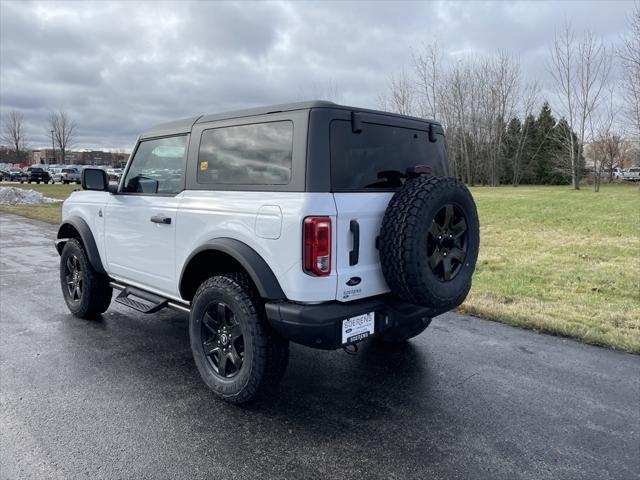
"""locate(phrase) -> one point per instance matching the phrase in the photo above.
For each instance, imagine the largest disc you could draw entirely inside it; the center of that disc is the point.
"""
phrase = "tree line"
(500, 129)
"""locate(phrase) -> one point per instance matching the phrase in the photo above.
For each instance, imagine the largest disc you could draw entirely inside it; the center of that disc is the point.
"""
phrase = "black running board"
(143, 301)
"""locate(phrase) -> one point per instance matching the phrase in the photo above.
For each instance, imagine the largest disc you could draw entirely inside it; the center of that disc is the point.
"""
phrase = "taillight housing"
(317, 246)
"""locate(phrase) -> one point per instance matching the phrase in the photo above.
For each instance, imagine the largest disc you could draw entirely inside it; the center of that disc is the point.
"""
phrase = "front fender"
(78, 224)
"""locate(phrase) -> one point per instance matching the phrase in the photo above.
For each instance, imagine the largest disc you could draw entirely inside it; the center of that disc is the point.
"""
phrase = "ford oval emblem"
(354, 281)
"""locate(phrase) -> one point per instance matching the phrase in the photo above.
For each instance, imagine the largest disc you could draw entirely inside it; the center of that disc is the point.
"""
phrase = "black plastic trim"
(261, 274)
(87, 240)
(319, 326)
(354, 254)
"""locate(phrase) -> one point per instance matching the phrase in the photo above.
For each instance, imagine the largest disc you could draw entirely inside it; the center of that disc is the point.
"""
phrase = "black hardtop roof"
(185, 125)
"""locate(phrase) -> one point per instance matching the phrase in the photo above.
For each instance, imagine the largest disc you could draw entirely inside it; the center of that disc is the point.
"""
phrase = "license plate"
(358, 328)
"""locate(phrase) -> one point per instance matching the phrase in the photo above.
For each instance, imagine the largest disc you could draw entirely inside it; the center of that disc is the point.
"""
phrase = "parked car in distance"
(618, 173)
(11, 175)
(114, 174)
(70, 175)
(35, 174)
(55, 174)
(632, 174)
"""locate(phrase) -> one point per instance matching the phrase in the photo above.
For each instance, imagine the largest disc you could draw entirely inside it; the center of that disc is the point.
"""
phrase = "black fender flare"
(87, 240)
(261, 274)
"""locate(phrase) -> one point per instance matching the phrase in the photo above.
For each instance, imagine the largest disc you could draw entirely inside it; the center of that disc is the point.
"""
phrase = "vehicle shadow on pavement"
(328, 392)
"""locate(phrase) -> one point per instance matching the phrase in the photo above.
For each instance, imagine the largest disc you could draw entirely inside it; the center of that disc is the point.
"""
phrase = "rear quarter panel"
(207, 215)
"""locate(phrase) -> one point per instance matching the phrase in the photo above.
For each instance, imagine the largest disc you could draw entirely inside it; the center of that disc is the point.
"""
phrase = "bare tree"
(580, 71)
(428, 68)
(64, 132)
(608, 149)
(630, 55)
(14, 135)
(401, 95)
(529, 100)
(329, 91)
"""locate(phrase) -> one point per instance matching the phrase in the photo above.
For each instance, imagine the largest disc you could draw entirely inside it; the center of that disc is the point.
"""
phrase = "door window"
(157, 166)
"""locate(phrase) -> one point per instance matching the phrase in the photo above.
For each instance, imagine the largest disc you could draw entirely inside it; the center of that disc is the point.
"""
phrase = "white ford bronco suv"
(315, 223)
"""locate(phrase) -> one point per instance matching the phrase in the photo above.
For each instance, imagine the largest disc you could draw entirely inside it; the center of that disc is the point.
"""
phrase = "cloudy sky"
(120, 67)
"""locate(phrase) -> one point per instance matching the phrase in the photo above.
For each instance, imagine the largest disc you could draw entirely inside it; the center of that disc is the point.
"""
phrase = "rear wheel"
(236, 352)
(86, 292)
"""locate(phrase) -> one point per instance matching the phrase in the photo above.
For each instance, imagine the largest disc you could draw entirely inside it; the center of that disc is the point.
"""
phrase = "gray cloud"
(119, 68)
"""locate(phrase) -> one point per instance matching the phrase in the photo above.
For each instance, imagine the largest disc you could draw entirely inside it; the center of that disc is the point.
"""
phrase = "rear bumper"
(320, 326)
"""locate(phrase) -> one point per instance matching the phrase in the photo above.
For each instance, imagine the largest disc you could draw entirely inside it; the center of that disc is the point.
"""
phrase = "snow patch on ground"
(20, 196)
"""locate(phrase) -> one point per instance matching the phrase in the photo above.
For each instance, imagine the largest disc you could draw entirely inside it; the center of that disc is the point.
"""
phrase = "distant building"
(85, 157)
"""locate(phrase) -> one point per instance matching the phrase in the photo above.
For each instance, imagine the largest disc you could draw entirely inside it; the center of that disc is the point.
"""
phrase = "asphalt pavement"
(121, 398)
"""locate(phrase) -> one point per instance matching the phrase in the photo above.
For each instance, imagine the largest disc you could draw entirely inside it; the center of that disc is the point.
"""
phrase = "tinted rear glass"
(257, 154)
(378, 157)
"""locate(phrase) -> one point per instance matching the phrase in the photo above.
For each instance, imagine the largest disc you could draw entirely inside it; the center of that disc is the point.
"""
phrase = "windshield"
(378, 157)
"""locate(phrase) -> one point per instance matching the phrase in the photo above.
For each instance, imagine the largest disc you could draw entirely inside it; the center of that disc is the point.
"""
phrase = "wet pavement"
(121, 398)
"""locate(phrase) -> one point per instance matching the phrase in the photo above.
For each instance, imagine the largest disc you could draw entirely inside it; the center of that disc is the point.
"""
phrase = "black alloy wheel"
(447, 242)
(73, 278)
(86, 292)
(237, 353)
(222, 340)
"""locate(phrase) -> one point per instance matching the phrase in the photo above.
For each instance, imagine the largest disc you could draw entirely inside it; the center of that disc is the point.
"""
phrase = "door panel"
(139, 250)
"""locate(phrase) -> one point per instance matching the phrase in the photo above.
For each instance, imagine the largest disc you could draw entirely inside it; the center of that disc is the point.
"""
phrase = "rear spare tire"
(429, 242)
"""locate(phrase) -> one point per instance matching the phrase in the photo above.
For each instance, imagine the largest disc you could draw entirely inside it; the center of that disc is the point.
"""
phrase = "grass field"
(561, 261)
(551, 259)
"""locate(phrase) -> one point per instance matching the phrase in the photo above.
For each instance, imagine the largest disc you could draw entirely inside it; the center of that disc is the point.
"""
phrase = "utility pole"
(53, 148)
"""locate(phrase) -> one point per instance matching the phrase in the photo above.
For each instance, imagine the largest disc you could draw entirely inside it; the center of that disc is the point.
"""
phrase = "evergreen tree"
(545, 149)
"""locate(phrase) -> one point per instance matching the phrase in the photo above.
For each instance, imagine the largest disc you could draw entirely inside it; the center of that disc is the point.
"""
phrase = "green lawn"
(561, 261)
(551, 259)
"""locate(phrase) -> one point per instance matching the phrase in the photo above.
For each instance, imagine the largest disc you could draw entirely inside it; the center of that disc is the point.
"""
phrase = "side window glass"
(157, 166)
(256, 154)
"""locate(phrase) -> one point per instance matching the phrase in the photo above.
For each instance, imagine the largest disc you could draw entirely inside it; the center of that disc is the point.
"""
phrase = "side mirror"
(95, 179)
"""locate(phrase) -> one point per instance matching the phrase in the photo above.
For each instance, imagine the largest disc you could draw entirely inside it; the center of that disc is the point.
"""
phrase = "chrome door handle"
(161, 219)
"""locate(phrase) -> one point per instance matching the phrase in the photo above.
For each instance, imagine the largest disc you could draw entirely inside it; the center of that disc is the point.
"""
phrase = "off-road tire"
(403, 242)
(96, 292)
(266, 354)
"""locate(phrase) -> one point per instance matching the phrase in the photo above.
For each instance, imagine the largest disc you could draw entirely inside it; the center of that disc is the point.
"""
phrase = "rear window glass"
(257, 154)
(376, 158)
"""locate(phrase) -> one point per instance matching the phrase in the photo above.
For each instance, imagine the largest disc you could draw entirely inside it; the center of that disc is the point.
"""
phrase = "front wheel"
(236, 352)
(86, 292)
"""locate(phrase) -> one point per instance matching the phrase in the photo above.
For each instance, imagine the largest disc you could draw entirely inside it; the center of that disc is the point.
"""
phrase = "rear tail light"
(317, 246)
